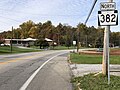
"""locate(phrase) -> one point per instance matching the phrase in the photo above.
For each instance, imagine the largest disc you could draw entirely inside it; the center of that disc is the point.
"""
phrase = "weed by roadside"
(99, 82)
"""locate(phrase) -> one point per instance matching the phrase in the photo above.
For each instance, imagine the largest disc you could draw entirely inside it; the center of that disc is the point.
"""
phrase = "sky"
(71, 12)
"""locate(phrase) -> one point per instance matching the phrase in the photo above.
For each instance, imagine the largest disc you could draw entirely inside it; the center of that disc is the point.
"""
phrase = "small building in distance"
(25, 42)
(20, 42)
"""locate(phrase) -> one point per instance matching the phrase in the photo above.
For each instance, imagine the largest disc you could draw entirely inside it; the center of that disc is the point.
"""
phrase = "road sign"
(106, 6)
(109, 18)
(74, 42)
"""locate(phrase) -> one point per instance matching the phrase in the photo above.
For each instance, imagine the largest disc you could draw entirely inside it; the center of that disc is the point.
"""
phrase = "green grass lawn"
(56, 47)
(35, 47)
(115, 48)
(99, 82)
(7, 50)
(63, 47)
(92, 59)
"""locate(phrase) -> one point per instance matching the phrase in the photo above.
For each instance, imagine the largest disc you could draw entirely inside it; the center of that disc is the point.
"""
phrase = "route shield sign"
(107, 18)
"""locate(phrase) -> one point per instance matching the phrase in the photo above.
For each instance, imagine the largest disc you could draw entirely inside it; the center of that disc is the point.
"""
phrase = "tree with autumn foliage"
(62, 34)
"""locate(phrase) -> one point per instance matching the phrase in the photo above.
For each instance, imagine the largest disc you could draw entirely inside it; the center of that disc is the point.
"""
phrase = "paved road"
(15, 70)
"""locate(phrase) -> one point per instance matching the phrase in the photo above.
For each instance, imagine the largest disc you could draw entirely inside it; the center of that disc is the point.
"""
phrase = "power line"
(91, 10)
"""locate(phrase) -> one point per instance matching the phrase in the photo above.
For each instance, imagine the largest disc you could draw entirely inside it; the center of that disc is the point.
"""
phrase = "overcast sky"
(15, 12)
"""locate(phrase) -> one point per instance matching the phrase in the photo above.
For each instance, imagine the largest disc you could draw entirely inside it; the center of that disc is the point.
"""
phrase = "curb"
(71, 73)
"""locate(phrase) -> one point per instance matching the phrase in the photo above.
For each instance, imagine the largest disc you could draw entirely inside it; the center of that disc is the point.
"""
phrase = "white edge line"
(25, 85)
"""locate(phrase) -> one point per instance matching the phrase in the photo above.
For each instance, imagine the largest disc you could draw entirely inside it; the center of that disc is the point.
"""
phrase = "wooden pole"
(11, 40)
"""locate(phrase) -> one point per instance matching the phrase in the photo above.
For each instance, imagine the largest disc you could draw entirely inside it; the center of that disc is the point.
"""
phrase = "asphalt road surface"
(46, 70)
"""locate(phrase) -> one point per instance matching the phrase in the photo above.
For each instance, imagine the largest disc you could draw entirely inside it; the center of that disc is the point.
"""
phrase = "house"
(25, 42)
(20, 42)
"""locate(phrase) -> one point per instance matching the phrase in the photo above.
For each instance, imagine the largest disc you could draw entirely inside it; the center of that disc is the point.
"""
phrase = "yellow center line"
(18, 59)
(3, 63)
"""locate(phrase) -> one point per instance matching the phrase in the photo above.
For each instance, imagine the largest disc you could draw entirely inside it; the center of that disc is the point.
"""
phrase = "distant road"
(54, 73)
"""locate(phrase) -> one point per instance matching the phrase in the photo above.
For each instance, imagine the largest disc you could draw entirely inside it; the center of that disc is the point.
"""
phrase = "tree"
(1, 39)
(33, 32)
(17, 33)
(99, 38)
(25, 28)
(59, 29)
(68, 34)
(82, 34)
(115, 38)
(63, 34)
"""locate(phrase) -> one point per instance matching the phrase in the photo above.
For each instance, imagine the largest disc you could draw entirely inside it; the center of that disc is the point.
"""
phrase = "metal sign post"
(107, 50)
(74, 43)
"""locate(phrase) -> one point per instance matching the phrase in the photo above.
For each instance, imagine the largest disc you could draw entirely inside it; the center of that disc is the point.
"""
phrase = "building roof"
(30, 39)
(48, 40)
(27, 39)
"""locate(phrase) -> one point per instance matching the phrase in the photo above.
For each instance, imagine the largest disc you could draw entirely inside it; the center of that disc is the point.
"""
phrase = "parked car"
(100, 50)
(2, 44)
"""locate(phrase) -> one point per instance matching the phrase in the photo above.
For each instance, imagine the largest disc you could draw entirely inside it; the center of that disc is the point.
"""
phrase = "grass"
(115, 48)
(35, 47)
(56, 47)
(92, 59)
(7, 50)
(85, 59)
(63, 47)
(99, 82)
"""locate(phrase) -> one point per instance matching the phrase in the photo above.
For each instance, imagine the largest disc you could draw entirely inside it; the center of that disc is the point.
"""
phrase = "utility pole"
(86, 40)
(58, 39)
(11, 40)
(106, 51)
(78, 40)
(17, 37)
(105, 64)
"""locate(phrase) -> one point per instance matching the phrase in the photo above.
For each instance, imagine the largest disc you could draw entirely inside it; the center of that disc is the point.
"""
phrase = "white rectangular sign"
(74, 42)
(107, 18)
(104, 6)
